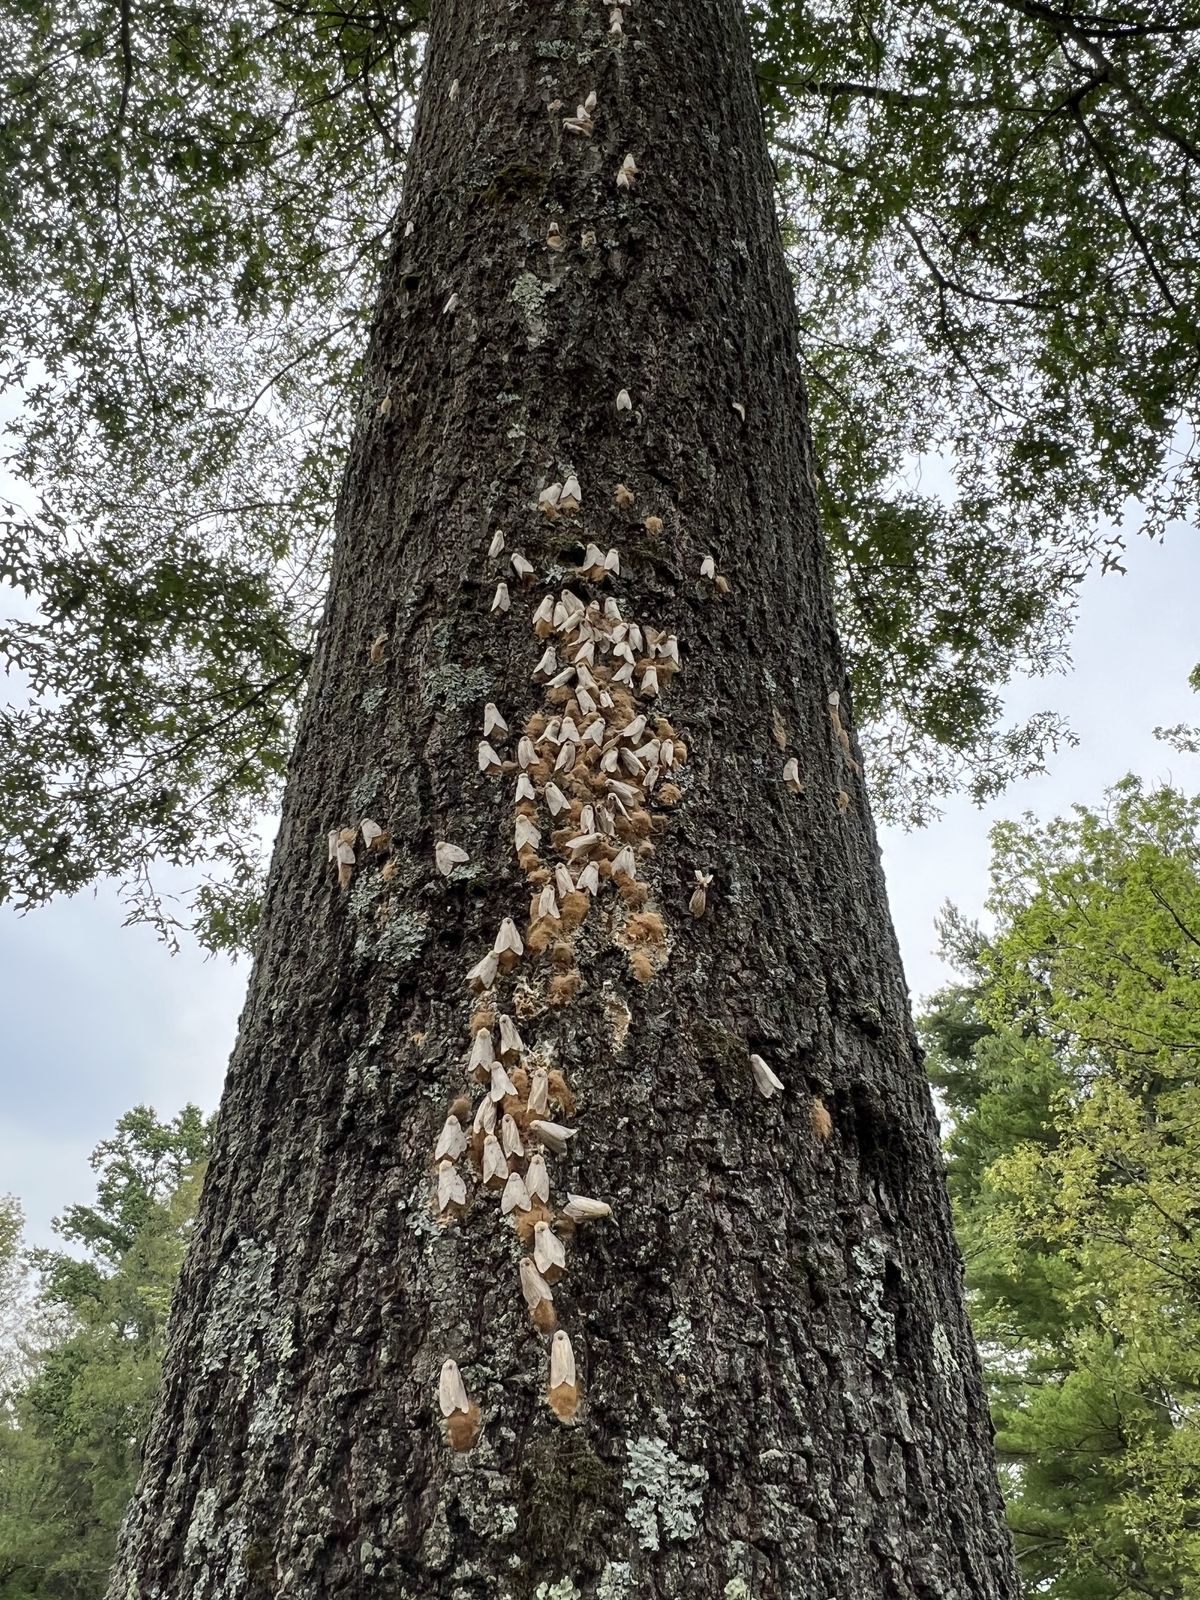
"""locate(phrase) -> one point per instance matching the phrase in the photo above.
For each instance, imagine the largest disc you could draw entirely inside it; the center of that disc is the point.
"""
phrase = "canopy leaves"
(989, 212)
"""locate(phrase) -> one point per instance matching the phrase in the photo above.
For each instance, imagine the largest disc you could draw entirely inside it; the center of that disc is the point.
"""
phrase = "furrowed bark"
(777, 1390)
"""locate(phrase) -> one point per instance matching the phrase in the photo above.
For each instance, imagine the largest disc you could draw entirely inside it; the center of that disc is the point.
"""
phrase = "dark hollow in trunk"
(776, 1391)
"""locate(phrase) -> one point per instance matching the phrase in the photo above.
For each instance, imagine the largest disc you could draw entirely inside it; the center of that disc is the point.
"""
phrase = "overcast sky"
(97, 1018)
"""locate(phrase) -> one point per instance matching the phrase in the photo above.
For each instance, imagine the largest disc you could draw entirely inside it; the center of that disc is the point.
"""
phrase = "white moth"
(669, 649)
(526, 832)
(594, 732)
(410, 228)
(539, 1096)
(554, 238)
(494, 1164)
(526, 751)
(452, 1393)
(549, 498)
(452, 1191)
(562, 880)
(624, 403)
(589, 879)
(370, 831)
(699, 900)
(553, 1135)
(561, 678)
(525, 789)
(484, 972)
(555, 799)
(593, 556)
(572, 496)
(623, 791)
(624, 674)
(586, 704)
(562, 1362)
(522, 568)
(533, 1286)
(581, 1209)
(739, 408)
(547, 906)
(708, 568)
(345, 854)
(485, 1116)
(451, 305)
(537, 1179)
(791, 775)
(612, 610)
(615, 21)
(501, 600)
(493, 722)
(510, 1137)
(667, 753)
(332, 841)
(545, 612)
(548, 662)
(515, 1196)
(452, 1141)
(765, 1080)
(634, 730)
(631, 763)
(508, 939)
(547, 1248)
(496, 546)
(625, 863)
(454, 96)
(585, 841)
(587, 819)
(650, 681)
(565, 761)
(487, 757)
(612, 563)
(568, 732)
(448, 856)
(627, 176)
(511, 1042)
(501, 1084)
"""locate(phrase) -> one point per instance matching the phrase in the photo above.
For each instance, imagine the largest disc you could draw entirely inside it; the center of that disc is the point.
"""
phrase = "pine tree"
(576, 894)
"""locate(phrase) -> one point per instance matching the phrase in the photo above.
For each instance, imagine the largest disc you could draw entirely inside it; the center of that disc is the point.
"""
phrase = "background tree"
(1069, 1065)
(74, 1418)
(994, 251)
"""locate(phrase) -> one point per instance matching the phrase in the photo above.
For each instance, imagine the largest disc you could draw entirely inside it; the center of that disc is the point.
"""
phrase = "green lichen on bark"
(564, 1589)
(529, 295)
(665, 1493)
(458, 687)
(615, 1581)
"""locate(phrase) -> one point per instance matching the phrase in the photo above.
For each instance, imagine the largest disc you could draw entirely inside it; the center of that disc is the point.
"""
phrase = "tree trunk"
(776, 1392)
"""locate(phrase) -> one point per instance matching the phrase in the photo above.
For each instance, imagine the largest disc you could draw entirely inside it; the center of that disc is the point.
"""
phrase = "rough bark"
(778, 1391)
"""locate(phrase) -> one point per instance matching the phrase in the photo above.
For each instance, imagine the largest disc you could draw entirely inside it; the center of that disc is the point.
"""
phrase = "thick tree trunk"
(776, 1390)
